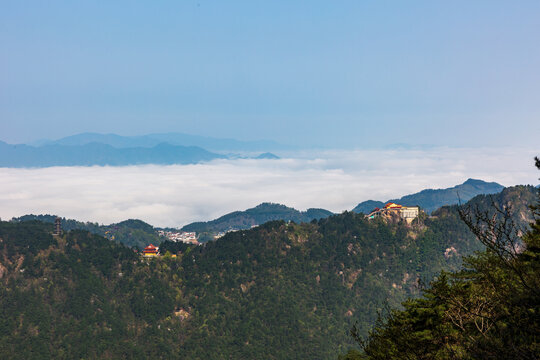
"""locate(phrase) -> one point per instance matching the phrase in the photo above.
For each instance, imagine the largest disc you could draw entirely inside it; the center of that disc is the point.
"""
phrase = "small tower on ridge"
(58, 226)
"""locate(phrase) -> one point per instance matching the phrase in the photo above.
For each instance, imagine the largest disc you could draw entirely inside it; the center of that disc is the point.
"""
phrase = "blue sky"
(330, 73)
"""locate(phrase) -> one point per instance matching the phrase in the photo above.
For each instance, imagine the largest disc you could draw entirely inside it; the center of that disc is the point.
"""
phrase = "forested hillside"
(80, 296)
(487, 310)
(132, 233)
(297, 289)
(278, 291)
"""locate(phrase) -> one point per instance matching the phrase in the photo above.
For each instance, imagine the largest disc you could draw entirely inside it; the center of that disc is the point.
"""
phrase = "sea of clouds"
(179, 194)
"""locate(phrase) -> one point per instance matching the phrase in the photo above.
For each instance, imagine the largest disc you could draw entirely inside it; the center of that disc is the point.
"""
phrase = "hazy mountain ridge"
(432, 199)
(90, 149)
(178, 139)
(101, 154)
(268, 156)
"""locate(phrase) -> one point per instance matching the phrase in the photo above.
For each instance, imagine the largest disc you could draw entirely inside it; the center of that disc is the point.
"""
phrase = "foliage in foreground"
(488, 310)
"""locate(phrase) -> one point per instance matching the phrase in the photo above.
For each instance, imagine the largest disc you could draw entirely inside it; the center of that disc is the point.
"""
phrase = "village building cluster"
(407, 213)
(179, 236)
(223, 233)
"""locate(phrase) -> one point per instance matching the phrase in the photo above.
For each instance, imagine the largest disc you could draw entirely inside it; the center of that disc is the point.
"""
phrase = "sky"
(344, 74)
(173, 196)
(339, 80)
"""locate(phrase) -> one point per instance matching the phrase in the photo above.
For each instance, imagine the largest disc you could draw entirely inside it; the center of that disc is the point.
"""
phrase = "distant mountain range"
(260, 214)
(178, 139)
(100, 154)
(114, 150)
(432, 199)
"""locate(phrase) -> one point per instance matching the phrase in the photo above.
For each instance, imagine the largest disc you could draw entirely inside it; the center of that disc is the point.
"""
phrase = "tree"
(488, 310)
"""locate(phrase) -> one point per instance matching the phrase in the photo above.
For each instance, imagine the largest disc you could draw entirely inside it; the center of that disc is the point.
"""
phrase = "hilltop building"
(407, 213)
(150, 251)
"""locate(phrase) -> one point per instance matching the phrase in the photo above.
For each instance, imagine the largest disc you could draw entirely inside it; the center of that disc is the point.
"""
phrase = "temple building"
(407, 213)
(150, 251)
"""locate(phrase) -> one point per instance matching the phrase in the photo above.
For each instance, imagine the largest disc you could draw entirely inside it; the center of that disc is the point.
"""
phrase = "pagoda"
(58, 226)
(150, 251)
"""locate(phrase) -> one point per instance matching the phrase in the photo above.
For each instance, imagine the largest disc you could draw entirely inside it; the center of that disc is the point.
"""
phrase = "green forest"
(281, 290)
(489, 309)
(132, 233)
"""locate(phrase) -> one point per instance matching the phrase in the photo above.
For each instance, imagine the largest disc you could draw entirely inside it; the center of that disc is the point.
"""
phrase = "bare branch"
(499, 233)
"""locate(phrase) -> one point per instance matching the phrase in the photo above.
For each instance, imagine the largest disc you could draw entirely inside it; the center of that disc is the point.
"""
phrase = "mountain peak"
(431, 199)
(267, 155)
(260, 214)
(271, 205)
(474, 182)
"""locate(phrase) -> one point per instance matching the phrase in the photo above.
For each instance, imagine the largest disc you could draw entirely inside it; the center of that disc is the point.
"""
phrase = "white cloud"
(180, 194)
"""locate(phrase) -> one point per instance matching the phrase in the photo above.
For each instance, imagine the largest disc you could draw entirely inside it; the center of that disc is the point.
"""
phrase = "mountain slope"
(297, 289)
(79, 296)
(432, 199)
(260, 214)
(270, 292)
(277, 291)
(132, 233)
(487, 310)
